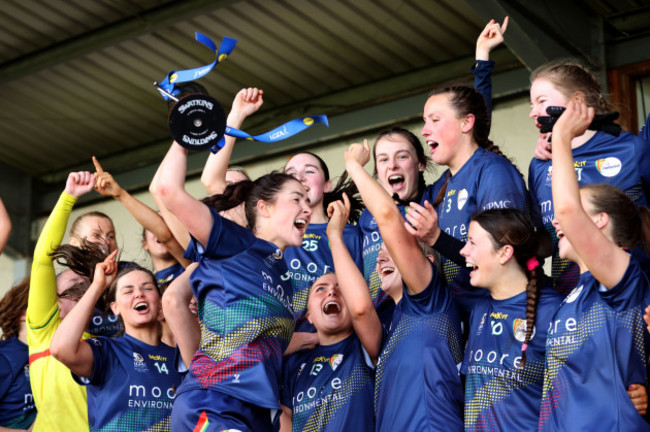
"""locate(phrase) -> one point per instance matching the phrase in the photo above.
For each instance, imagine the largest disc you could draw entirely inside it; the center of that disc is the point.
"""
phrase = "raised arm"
(178, 230)
(246, 102)
(5, 226)
(67, 346)
(182, 322)
(351, 282)
(606, 261)
(192, 213)
(490, 38)
(42, 289)
(146, 216)
(402, 246)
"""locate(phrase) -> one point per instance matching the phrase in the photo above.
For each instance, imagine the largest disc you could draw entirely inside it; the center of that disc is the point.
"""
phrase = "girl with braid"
(504, 356)
(595, 344)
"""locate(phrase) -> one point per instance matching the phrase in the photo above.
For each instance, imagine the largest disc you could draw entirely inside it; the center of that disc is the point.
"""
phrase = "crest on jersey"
(336, 360)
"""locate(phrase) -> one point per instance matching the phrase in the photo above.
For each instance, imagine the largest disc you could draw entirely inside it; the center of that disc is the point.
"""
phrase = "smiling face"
(391, 278)
(481, 256)
(155, 248)
(288, 216)
(544, 94)
(442, 129)
(308, 171)
(397, 165)
(326, 309)
(137, 299)
(95, 229)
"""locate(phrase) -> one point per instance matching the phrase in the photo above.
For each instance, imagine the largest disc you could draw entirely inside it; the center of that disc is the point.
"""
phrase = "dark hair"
(74, 230)
(239, 169)
(12, 306)
(415, 144)
(109, 295)
(512, 227)
(465, 100)
(80, 259)
(569, 77)
(343, 185)
(630, 223)
(249, 192)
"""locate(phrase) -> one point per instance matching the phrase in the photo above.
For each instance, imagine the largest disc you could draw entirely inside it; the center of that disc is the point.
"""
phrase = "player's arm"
(150, 220)
(403, 248)
(246, 102)
(286, 423)
(606, 261)
(351, 282)
(5, 226)
(67, 346)
(182, 322)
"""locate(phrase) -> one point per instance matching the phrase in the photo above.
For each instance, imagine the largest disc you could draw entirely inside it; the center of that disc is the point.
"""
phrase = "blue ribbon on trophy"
(197, 121)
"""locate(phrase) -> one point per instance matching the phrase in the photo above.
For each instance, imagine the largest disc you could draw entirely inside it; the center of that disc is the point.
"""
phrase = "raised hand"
(105, 271)
(490, 38)
(79, 183)
(246, 102)
(338, 212)
(105, 184)
(359, 153)
(574, 121)
(422, 222)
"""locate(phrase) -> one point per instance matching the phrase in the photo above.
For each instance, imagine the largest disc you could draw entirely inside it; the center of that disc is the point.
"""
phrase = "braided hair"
(512, 227)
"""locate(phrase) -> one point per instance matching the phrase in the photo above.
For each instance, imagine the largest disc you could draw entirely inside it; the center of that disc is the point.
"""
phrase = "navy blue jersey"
(330, 388)
(485, 181)
(417, 384)
(594, 351)
(132, 386)
(17, 409)
(246, 315)
(166, 275)
(370, 250)
(619, 161)
(500, 394)
(313, 259)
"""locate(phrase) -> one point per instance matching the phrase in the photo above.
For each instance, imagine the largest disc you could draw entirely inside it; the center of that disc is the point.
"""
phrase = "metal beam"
(362, 121)
(538, 35)
(109, 35)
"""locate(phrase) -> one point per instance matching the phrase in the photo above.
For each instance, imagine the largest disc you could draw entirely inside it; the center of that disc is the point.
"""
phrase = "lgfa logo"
(462, 198)
(609, 167)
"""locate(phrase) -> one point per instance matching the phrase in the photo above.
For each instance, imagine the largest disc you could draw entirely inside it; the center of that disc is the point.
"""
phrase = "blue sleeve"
(500, 185)
(644, 133)
(288, 374)
(226, 238)
(642, 153)
(433, 299)
(101, 362)
(353, 239)
(632, 291)
(482, 71)
(535, 211)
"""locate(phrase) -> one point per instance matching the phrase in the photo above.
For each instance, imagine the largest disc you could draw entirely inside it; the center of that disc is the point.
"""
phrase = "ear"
(467, 124)
(74, 241)
(144, 244)
(421, 167)
(328, 186)
(263, 208)
(505, 253)
(602, 220)
(115, 308)
(431, 258)
(308, 316)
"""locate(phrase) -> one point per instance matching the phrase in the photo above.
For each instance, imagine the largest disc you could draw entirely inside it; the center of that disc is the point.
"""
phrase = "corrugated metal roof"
(78, 74)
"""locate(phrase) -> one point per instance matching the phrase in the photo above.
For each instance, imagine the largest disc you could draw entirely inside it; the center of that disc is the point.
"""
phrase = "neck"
(513, 281)
(160, 263)
(149, 334)
(167, 337)
(331, 339)
(580, 140)
(318, 214)
(462, 156)
(396, 294)
(22, 333)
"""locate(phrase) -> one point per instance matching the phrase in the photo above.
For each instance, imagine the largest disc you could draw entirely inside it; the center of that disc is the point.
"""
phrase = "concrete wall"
(512, 131)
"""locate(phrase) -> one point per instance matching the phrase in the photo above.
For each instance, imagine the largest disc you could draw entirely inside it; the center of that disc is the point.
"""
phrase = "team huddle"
(288, 303)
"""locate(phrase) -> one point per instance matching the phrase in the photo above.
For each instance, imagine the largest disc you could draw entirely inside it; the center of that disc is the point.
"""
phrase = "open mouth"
(300, 223)
(432, 145)
(141, 307)
(387, 270)
(396, 179)
(331, 308)
(471, 267)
